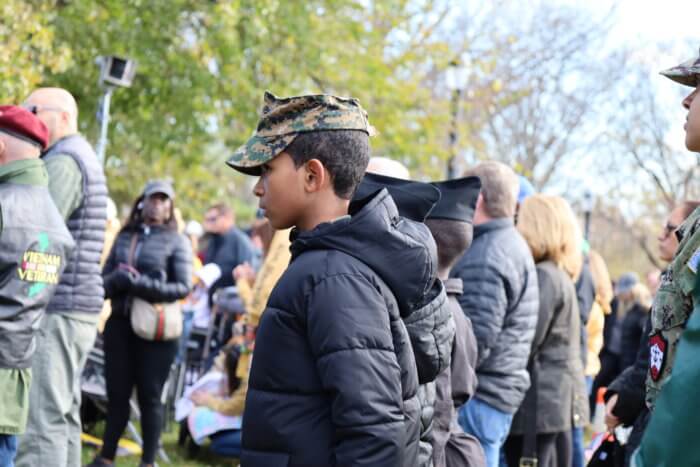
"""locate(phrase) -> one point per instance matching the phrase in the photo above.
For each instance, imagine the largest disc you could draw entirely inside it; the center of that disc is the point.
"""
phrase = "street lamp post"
(587, 209)
(455, 78)
(114, 72)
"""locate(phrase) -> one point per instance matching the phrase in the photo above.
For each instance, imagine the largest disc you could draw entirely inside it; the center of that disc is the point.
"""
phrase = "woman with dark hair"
(149, 260)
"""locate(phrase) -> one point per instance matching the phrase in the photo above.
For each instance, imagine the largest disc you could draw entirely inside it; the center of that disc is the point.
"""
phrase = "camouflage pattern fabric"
(686, 73)
(282, 119)
(672, 307)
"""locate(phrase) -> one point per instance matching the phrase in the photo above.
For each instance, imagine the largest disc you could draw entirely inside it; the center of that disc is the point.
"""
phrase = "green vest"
(672, 307)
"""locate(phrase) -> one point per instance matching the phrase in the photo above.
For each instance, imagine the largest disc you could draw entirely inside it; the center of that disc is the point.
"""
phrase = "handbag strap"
(132, 249)
(528, 457)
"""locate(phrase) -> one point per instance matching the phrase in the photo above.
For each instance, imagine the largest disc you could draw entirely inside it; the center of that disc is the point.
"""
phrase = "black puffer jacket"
(164, 260)
(334, 379)
(500, 298)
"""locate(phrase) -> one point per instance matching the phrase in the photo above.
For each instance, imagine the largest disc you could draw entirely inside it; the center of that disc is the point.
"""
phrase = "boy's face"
(692, 125)
(281, 191)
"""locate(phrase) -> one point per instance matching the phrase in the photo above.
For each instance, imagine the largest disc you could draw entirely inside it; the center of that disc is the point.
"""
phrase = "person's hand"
(120, 280)
(611, 420)
(244, 272)
(199, 397)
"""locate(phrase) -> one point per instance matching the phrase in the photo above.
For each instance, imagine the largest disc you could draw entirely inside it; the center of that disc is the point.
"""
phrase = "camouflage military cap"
(686, 73)
(283, 119)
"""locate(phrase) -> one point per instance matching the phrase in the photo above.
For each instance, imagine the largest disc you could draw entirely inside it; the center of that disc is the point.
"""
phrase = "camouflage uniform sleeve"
(672, 307)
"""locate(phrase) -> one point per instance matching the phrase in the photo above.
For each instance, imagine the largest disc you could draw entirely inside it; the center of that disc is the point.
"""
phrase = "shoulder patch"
(694, 261)
(657, 355)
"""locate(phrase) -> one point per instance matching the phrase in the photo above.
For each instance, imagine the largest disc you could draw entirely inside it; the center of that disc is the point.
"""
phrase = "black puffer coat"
(164, 260)
(334, 379)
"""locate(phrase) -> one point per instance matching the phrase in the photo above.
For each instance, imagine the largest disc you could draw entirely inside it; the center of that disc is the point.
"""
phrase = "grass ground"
(178, 455)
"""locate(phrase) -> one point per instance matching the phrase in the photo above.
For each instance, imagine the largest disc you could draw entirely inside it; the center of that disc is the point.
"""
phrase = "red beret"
(21, 123)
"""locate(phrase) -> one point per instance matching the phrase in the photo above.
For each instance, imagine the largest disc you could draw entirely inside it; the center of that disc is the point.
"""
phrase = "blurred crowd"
(362, 318)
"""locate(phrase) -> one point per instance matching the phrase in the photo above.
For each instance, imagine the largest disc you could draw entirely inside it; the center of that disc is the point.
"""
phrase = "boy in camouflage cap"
(672, 429)
(333, 379)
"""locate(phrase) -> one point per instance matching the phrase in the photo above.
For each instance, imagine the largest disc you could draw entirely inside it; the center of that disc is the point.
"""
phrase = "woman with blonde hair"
(601, 308)
(556, 371)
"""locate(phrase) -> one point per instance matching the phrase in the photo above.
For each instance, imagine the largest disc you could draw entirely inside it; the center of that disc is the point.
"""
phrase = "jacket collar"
(496, 224)
(25, 172)
(453, 286)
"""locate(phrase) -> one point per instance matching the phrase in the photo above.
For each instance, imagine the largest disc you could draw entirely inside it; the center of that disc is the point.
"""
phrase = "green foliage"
(202, 69)
(28, 50)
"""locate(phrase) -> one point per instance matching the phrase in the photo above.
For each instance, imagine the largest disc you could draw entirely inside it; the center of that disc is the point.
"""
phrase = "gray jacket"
(34, 245)
(500, 298)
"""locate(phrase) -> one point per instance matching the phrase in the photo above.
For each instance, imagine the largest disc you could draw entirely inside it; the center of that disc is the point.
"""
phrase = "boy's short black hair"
(452, 238)
(344, 153)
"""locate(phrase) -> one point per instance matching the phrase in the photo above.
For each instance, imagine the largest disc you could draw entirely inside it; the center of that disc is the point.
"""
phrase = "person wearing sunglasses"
(78, 188)
(668, 241)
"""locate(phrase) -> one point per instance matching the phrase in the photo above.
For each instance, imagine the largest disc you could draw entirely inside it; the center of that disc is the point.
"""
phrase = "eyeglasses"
(35, 109)
(669, 229)
(211, 219)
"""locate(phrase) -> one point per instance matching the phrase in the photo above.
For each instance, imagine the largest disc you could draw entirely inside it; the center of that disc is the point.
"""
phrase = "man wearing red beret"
(34, 246)
(78, 188)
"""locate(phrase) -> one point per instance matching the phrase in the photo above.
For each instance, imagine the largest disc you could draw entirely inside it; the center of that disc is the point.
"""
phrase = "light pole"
(587, 209)
(114, 72)
(455, 79)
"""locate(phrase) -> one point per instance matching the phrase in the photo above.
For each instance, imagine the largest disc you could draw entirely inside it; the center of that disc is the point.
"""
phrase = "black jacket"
(630, 384)
(632, 330)
(333, 378)
(556, 351)
(227, 251)
(454, 387)
(164, 260)
(500, 298)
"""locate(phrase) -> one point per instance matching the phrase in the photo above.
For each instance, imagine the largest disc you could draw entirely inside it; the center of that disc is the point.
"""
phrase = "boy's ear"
(315, 176)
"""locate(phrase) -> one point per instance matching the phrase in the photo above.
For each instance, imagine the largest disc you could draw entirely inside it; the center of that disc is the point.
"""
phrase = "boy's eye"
(264, 168)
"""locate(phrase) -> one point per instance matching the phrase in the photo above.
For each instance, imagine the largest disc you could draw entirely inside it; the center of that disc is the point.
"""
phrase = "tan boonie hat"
(686, 73)
(283, 119)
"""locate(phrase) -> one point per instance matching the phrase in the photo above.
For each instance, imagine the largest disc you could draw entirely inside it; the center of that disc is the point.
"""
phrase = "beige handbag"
(154, 321)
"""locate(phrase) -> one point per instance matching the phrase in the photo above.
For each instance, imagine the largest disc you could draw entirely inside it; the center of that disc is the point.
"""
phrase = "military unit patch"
(657, 355)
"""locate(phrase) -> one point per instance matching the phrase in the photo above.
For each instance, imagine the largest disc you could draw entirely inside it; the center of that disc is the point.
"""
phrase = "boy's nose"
(689, 99)
(258, 188)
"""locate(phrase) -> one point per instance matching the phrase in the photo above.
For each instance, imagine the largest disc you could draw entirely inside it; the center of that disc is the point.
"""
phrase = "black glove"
(119, 281)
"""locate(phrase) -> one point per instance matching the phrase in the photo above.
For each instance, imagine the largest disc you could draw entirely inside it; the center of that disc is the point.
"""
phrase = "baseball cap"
(687, 73)
(159, 186)
(21, 123)
(457, 199)
(626, 282)
(525, 188)
(282, 119)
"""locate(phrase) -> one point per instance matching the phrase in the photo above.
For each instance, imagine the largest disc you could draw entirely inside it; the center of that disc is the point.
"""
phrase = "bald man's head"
(388, 168)
(15, 149)
(58, 110)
